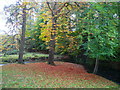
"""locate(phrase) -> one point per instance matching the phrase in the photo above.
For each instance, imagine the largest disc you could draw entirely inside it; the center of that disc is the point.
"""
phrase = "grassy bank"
(42, 75)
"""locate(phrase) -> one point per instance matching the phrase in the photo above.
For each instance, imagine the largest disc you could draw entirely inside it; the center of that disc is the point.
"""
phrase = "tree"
(102, 33)
(17, 17)
(62, 28)
(50, 26)
(22, 41)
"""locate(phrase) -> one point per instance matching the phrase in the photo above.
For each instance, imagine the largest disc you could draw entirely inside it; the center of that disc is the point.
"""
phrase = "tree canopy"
(78, 29)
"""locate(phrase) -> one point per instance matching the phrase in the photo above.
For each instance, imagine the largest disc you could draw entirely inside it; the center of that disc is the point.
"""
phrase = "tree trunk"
(22, 41)
(52, 42)
(54, 12)
(96, 66)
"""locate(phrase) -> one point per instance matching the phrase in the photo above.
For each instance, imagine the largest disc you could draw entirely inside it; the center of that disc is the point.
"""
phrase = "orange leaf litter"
(62, 69)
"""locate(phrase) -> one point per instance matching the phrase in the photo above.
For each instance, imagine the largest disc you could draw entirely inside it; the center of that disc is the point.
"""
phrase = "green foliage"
(93, 31)
(96, 33)
(11, 52)
(33, 42)
(98, 30)
(104, 39)
(8, 44)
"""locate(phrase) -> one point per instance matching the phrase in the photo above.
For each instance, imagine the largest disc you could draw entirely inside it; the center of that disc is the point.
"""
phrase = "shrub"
(11, 52)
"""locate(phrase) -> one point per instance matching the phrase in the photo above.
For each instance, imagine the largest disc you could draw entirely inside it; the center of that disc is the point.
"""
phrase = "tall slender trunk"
(52, 43)
(22, 41)
(96, 66)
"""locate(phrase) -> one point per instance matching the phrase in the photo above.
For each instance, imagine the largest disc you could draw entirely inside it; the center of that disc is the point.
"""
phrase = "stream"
(2, 64)
(13, 63)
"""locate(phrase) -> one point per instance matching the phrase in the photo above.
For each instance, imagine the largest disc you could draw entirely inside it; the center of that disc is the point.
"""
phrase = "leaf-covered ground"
(42, 75)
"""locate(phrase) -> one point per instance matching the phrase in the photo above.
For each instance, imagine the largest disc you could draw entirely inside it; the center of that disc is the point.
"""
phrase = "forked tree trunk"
(96, 66)
(22, 41)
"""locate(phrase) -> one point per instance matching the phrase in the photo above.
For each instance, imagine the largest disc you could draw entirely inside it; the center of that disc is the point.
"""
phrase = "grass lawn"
(42, 75)
(27, 56)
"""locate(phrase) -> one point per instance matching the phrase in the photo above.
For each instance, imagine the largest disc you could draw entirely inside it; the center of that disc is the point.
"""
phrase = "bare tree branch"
(63, 14)
(77, 4)
(49, 7)
(54, 5)
(61, 8)
(67, 12)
